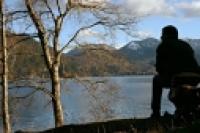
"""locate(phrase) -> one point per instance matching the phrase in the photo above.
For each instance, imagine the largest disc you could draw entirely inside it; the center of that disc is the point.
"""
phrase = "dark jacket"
(175, 56)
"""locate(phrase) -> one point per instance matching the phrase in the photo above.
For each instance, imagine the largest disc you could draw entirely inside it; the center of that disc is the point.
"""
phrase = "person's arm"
(192, 54)
(191, 60)
(159, 61)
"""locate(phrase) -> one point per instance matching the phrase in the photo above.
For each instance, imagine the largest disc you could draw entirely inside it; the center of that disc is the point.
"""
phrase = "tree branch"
(37, 88)
(77, 33)
(26, 37)
(58, 25)
(58, 5)
(16, 12)
(42, 33)
(50, 10)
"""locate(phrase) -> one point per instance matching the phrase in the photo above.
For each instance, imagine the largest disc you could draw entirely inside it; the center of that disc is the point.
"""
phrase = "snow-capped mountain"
(146, 49)
(138, 50)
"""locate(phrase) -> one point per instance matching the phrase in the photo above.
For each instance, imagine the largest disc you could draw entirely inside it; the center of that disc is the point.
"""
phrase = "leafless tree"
(49, 18)
(5, 109)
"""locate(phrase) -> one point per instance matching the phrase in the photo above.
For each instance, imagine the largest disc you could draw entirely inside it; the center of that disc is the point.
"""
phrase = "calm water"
(86, 100)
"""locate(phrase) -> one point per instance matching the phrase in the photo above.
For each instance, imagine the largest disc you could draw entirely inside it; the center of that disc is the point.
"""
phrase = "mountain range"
(137, 57)
(144, 51)
(98, 60)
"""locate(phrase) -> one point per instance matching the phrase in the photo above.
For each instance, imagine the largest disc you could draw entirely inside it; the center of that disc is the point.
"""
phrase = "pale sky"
(184, 14)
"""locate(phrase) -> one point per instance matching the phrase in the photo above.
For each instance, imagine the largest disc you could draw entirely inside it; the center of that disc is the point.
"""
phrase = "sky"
(184, 14)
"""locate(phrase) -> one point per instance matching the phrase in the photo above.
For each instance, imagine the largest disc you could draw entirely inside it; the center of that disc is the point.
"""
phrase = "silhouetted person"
(173, 56)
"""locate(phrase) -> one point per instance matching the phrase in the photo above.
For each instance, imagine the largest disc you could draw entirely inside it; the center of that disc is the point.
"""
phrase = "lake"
(86, 100)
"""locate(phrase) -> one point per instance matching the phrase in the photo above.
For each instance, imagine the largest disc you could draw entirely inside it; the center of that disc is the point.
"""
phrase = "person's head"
(169, 32)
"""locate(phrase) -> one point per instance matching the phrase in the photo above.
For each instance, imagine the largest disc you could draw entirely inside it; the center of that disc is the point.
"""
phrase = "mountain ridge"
(137, 57)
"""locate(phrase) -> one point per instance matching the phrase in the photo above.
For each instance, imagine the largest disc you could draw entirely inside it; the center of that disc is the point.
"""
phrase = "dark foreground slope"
(163, 125)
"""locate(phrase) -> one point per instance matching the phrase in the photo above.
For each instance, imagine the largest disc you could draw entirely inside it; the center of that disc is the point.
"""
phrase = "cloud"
(88, 33)
(150, 7)
(143, 34)
(189, 9)
(89, 2)
(174, 8)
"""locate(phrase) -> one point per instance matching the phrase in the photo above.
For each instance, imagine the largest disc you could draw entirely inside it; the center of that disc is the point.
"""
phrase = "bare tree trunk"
(6, 117)
(52, 65)
(56, 100)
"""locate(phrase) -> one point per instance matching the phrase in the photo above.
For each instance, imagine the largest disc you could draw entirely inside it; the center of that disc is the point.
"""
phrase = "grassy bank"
(162, 125)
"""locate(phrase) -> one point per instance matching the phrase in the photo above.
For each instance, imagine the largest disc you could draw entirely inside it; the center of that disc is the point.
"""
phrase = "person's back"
(173, 56)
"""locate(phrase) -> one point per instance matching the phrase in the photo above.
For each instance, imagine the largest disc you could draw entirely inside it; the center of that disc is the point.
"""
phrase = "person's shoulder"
(160, 45)
(183, 42)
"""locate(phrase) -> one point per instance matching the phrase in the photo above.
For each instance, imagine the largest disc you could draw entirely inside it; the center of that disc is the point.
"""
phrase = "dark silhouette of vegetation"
(163, 125)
